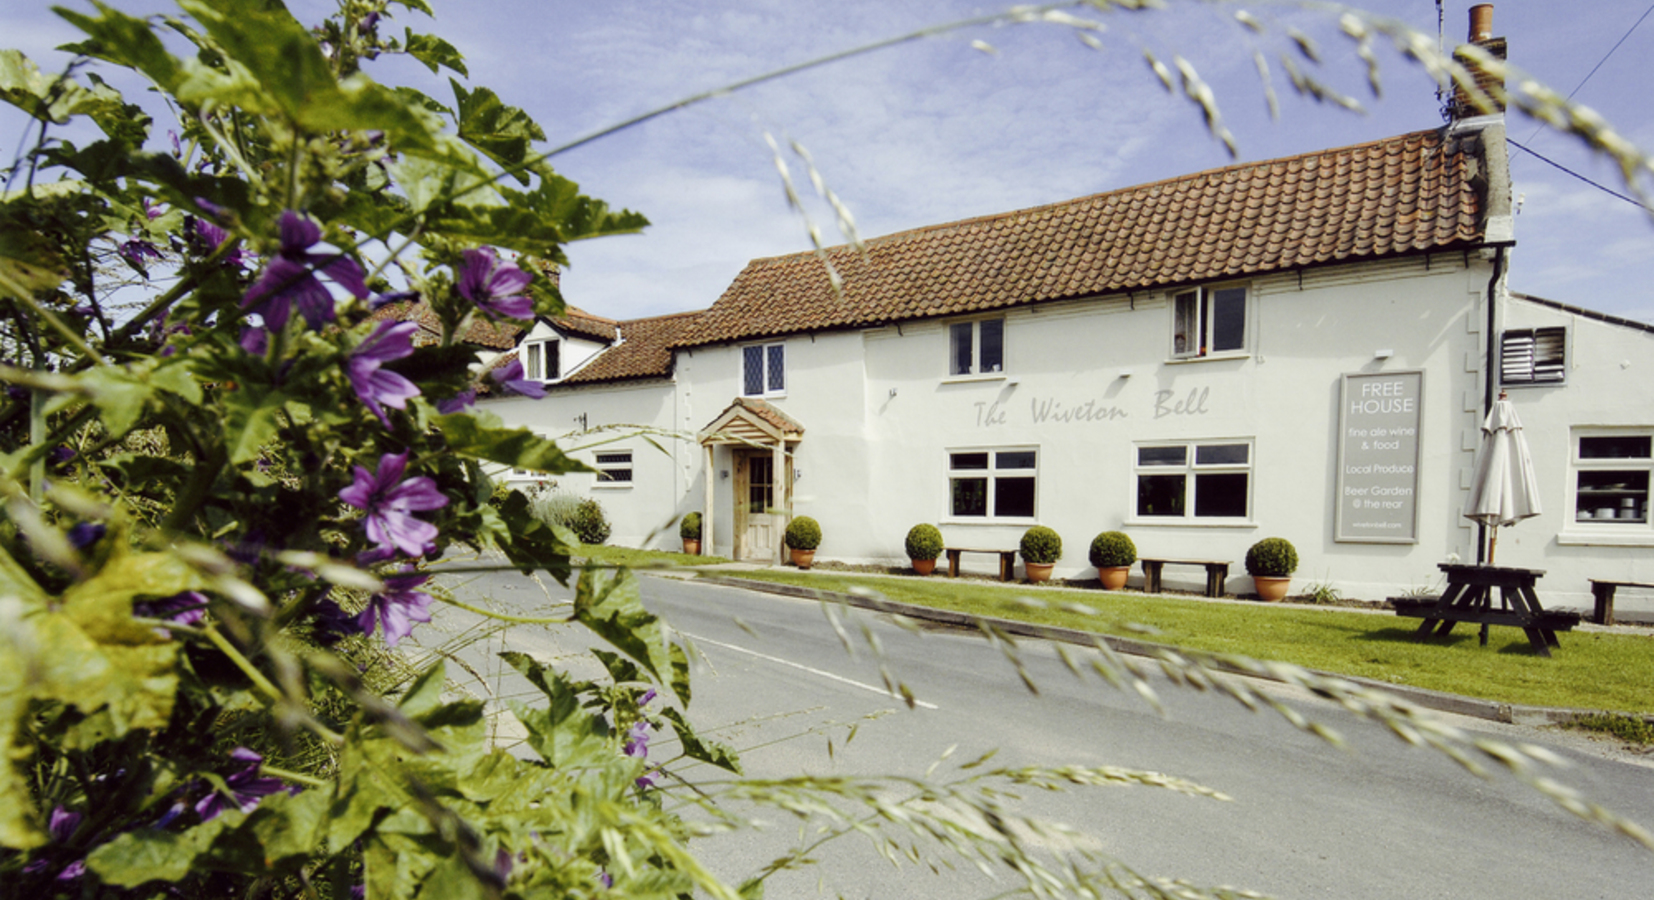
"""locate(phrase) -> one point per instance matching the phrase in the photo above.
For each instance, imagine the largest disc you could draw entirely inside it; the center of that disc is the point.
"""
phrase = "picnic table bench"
(1603, 592)
(1217, 572)
(1469, 598)
(1007, 561)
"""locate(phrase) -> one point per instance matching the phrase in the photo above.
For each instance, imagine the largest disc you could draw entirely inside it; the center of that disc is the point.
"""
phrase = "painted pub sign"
(1378, 457)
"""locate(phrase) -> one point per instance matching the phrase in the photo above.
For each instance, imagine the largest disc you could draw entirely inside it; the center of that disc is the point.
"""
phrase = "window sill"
(1525, 385)
(611, 486)
(984, 520)
(1187, 522)
(1210, 357)
(1641, 537)
(971, 379)
(780, 396)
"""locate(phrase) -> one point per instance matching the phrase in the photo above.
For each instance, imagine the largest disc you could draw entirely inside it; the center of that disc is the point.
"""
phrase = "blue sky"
(947, 128)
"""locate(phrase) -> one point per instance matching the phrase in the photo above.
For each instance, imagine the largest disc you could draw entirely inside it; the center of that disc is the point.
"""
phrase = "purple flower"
(61, 454)
(136, 251)
(332, 623)
(637, 741)
(247, 789)
(398, 607)
(368, 23)
(390, 502)
(177, 149)
(374, 386)
(151, 211)
(495, 287)
(186, 608)
(460, 402)
(387, 299)
(85, 534)
(291, 277)
(255, 341)
(511, 376)
(646, 699)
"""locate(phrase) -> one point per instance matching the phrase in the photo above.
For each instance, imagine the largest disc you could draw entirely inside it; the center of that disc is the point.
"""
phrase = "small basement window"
(614, 468)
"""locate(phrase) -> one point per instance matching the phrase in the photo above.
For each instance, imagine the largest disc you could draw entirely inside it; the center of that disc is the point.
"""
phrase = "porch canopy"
(753, 424)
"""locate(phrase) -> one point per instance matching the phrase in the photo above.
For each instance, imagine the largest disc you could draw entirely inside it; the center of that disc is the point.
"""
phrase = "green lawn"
(641, 559)
(1590, 671)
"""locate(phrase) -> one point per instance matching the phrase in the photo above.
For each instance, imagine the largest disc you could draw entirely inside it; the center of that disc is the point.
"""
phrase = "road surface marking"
(775, 659)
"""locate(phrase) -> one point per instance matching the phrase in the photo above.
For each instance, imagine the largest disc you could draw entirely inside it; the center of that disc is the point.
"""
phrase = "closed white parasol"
(1504, 490)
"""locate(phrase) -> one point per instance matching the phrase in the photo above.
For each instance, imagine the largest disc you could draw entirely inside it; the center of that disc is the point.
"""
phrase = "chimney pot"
(1481, 22)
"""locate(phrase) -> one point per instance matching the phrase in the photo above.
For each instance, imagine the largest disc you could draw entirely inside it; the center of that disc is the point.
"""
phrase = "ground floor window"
(614, 468)
(1202, 480)
(1611, 475)
(993, 483)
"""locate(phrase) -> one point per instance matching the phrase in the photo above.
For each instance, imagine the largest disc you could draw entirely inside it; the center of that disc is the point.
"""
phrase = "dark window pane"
(1613, 447)
(1221, 455)
(1014, 497)
(778, 368)
(968, 460)
(1185, 334)
(554, 361)
(1014, 459)
(970, 496)
(1229, 319)
(614, 474)
(1160, 495)
(611, 458)
(1162, 456)
(959, 348)
(993, 345)
(753, 376)
(1221, 495)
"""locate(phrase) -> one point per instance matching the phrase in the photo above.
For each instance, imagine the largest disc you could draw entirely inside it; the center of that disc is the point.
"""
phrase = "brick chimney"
(1492, 84)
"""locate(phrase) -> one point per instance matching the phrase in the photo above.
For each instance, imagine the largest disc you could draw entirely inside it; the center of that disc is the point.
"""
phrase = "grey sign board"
(1378, 458)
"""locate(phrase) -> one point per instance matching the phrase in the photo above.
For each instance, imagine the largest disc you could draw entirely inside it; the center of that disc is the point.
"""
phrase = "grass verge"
(641, 559)
(1591, 670)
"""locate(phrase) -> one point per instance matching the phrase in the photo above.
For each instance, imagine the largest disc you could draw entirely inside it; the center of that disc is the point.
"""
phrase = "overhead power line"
(1601, 187)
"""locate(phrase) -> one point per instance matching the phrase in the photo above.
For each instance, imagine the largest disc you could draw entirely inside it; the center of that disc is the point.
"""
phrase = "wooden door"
(755, 528)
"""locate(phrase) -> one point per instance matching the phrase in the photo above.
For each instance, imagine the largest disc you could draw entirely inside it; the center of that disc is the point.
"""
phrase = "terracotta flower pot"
(1113, 577)
(802, 558)
(1038, 572)
(692, 546)
(1270, 590)
(924, 566)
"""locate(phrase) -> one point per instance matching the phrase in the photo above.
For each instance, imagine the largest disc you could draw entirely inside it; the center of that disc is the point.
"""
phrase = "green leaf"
(515, 447)
(708, 751)
(146, 855)
(504, 133)
(562, 732)
(433, 52)
(607, 602)
(126, 41)
(251, 420)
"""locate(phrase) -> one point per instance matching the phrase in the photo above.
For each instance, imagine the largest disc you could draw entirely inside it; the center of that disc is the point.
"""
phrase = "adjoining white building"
(1300, 347)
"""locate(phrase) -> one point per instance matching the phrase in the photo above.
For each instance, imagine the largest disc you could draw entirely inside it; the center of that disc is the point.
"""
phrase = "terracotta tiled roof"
(643, 352)
(1403, 195)
(502, 335)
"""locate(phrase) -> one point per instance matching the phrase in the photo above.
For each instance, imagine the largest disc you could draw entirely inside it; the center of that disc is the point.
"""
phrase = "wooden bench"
(1007, 561)
(1603, 592)
(1217, 572)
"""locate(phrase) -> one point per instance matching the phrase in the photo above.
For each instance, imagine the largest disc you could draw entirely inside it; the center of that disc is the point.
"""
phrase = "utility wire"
(1605, 189)
(1582, 81)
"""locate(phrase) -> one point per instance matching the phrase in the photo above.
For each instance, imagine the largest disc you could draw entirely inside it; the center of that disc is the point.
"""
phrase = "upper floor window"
(1195, 480)
(1533, 355)
(541, 361)
(976, 348)
(614, 468)
(1207, 320)
(763, 370)
(992, 484)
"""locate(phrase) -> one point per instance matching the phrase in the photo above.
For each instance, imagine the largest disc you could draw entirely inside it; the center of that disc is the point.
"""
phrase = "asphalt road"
(1379, 819)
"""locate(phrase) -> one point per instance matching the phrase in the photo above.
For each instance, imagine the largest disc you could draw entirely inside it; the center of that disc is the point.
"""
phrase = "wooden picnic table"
(1469, 598)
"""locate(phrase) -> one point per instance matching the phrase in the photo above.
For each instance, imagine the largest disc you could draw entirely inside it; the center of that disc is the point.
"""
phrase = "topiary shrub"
(590, 525)
(924, 541)
(690, 528)
(1112, 549)
(1041, 545)
(1272, 557)
(803, 533)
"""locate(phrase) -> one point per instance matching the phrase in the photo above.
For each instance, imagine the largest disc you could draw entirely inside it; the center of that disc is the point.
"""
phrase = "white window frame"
(1203, 301)
(1591, 488)
(991, 475)
(536, 357)
(1533, 357)
(774, 384)
(1191, 469)
(615, 469)
(976, 368)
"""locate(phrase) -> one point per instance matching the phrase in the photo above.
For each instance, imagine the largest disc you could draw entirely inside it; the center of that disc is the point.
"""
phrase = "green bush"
(1112, 549)
(554, 507)
(803, 533)
(1041, 545)
(690, 528)
(924, 541)
(590, 525)
(1272, 557)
